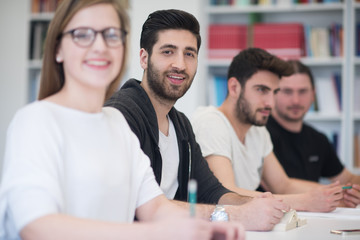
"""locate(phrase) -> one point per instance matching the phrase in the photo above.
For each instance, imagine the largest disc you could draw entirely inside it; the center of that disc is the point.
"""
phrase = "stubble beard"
(158, 84)
(245, 115)
(287, 117)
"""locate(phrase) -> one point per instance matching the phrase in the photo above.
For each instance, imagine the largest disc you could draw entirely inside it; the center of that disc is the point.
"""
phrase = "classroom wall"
(13, 60)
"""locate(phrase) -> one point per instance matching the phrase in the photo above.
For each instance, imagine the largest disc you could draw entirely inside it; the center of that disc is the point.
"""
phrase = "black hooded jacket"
(135, 105)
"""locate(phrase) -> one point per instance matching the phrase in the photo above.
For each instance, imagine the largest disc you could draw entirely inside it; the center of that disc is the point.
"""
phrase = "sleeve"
(149, 189)
(268, 145)
(142, 172)
(210, 190)
(332, 165)
(30, 187)
(212, 135)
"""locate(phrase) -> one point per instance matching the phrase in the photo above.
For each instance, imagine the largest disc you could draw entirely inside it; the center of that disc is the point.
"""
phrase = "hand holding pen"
(351, 195)
(219, 230)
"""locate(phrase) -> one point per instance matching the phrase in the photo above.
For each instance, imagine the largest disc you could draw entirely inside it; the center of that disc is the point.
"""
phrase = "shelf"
(336, 61)
(356, 170)
(41, 16)
(357, 60)
(35, 64)
(357, 116)
(314, 7)
(316, 116)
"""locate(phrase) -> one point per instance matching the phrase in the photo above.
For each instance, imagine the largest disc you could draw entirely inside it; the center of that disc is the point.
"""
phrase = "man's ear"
(144, 56)
(234, 88)
(313, 95)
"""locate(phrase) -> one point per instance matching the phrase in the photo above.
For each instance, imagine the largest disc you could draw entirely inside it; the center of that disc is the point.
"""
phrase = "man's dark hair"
(251, 60)
(299, 67)
(166, 20)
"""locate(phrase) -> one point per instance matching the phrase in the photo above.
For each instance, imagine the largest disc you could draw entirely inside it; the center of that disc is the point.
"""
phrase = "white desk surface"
(317, 228)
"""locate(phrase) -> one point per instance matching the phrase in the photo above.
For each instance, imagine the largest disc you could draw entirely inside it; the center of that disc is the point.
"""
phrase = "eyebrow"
(261, 85)
(175, 47)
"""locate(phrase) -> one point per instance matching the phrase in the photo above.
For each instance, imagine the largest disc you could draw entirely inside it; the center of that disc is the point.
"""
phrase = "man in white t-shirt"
(238, 147)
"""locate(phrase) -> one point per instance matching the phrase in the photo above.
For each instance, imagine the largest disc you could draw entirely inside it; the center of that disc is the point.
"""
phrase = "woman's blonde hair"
(52, 76)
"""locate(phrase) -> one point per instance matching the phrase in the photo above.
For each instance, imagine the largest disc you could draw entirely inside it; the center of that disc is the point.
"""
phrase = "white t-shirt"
(170, 161)
(216, 136)
(61, 160)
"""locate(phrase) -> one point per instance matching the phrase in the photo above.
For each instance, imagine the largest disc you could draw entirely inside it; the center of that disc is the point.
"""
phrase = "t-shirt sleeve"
(30, 179)
(143, 178)
(268, 145)
(149, 188)
(333, 165)
(212, 135)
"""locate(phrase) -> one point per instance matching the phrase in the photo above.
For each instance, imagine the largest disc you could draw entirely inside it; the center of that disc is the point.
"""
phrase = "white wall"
(139, 11)
(13, 55)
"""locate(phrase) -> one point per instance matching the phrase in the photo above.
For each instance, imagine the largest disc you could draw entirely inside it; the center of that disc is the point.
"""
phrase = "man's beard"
(287, 117)
(244, 113)
(158, 84)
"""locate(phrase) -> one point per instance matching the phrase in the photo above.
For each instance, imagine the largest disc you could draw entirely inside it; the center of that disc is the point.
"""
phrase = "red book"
(226, 40)
(285, 40)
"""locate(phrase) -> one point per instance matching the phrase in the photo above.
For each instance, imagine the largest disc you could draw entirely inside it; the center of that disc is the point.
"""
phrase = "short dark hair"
(251, 60)
(299, 67)
(165, 20)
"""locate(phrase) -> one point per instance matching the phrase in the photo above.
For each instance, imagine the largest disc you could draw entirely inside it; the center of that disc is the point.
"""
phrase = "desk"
(317, 228)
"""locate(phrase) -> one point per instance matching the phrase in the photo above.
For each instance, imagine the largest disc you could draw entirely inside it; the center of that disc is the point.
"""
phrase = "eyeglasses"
(85, 37)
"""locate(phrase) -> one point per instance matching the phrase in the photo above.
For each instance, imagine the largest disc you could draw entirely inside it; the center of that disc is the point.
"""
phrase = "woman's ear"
(144, 56)
(58, 57)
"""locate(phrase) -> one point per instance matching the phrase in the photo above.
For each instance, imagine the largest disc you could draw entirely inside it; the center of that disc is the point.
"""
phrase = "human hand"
(352, 196)
(228, 231)
(197, 229)
(324, 198)
(262, 213)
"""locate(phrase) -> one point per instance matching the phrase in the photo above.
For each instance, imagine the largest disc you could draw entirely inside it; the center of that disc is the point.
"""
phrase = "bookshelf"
(356, 92)
(344, 122)
(41, 13)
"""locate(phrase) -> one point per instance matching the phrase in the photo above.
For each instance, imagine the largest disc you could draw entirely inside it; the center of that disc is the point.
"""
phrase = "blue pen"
(192, 188)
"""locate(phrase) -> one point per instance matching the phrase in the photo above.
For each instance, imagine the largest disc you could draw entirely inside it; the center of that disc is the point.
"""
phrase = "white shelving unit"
(34, 65)
(356, 73)
(317, 15)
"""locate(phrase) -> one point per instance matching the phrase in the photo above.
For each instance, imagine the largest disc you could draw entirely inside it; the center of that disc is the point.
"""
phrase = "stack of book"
(226, 40)
(328, 94)
(40, 6)
(285, 40)
(218, 90)
(37, 39)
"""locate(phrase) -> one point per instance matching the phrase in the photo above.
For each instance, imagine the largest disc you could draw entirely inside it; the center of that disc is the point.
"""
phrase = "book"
(220, 87)
(323, 44)
(226, 40)
(35, 6)
(34, 85)
(357, 150)
(326, 96)
(37, 40)
(357, 95)
(39, 30)
(336, 79)
(285, 40)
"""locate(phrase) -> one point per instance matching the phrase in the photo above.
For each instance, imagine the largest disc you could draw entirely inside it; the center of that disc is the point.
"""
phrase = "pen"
(347, 187)
(192, 188)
